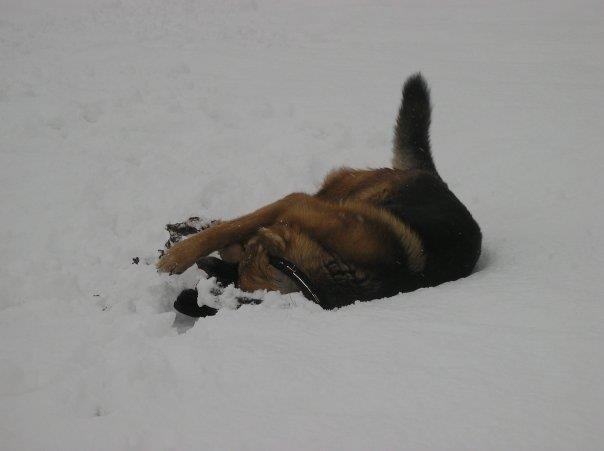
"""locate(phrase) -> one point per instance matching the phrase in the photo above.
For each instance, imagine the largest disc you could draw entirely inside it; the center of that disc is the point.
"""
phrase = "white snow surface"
(117, 117)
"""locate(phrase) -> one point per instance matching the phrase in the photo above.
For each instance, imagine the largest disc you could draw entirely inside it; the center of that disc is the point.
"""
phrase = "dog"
(366, 234)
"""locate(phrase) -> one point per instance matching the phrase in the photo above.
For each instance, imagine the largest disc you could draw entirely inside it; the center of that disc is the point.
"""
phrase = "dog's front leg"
(185, 253)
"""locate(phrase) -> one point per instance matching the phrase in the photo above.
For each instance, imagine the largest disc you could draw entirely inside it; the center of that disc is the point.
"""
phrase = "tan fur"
(185, 253)
(233, 253)
(407, 237)
(342, 221)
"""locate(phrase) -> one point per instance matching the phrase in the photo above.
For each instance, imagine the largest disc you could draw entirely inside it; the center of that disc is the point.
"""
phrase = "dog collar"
(296, 275)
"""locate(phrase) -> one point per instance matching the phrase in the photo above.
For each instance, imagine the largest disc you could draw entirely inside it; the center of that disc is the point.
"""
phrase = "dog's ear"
(274, 239)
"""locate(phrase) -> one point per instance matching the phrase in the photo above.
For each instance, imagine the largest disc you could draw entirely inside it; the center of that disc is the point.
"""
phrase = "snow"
(118, 117)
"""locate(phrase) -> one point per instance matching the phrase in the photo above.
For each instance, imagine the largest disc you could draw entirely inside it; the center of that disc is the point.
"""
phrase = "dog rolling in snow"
(366, 234)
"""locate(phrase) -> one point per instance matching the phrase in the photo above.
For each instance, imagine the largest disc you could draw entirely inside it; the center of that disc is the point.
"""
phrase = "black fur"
(186, 303)
(450, 236)
(412, 131)
(225, 273)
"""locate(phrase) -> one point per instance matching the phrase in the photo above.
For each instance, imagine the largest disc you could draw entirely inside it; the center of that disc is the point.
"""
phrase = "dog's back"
(450, 236)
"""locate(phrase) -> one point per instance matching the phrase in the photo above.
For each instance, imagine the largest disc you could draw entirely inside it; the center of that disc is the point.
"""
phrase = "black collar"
(296, 275)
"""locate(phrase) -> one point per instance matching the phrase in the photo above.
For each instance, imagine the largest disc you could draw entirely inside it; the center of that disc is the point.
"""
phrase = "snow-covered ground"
(117, 117)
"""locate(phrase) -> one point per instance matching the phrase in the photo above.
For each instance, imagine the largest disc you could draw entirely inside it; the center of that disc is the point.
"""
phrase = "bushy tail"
(412, 132)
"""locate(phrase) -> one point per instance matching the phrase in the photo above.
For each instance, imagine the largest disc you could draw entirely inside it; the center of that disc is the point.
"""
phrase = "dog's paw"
(177, 259)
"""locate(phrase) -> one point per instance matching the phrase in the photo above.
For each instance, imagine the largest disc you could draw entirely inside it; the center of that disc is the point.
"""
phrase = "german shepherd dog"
(366, 234)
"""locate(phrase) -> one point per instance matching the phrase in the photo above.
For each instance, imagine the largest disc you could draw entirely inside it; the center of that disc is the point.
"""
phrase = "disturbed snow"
(118, 117)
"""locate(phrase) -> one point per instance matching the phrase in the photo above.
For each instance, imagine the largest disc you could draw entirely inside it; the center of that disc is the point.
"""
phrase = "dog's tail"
(412, 131)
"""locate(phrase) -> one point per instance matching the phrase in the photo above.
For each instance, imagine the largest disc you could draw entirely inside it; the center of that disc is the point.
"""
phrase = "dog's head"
(255, 269)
